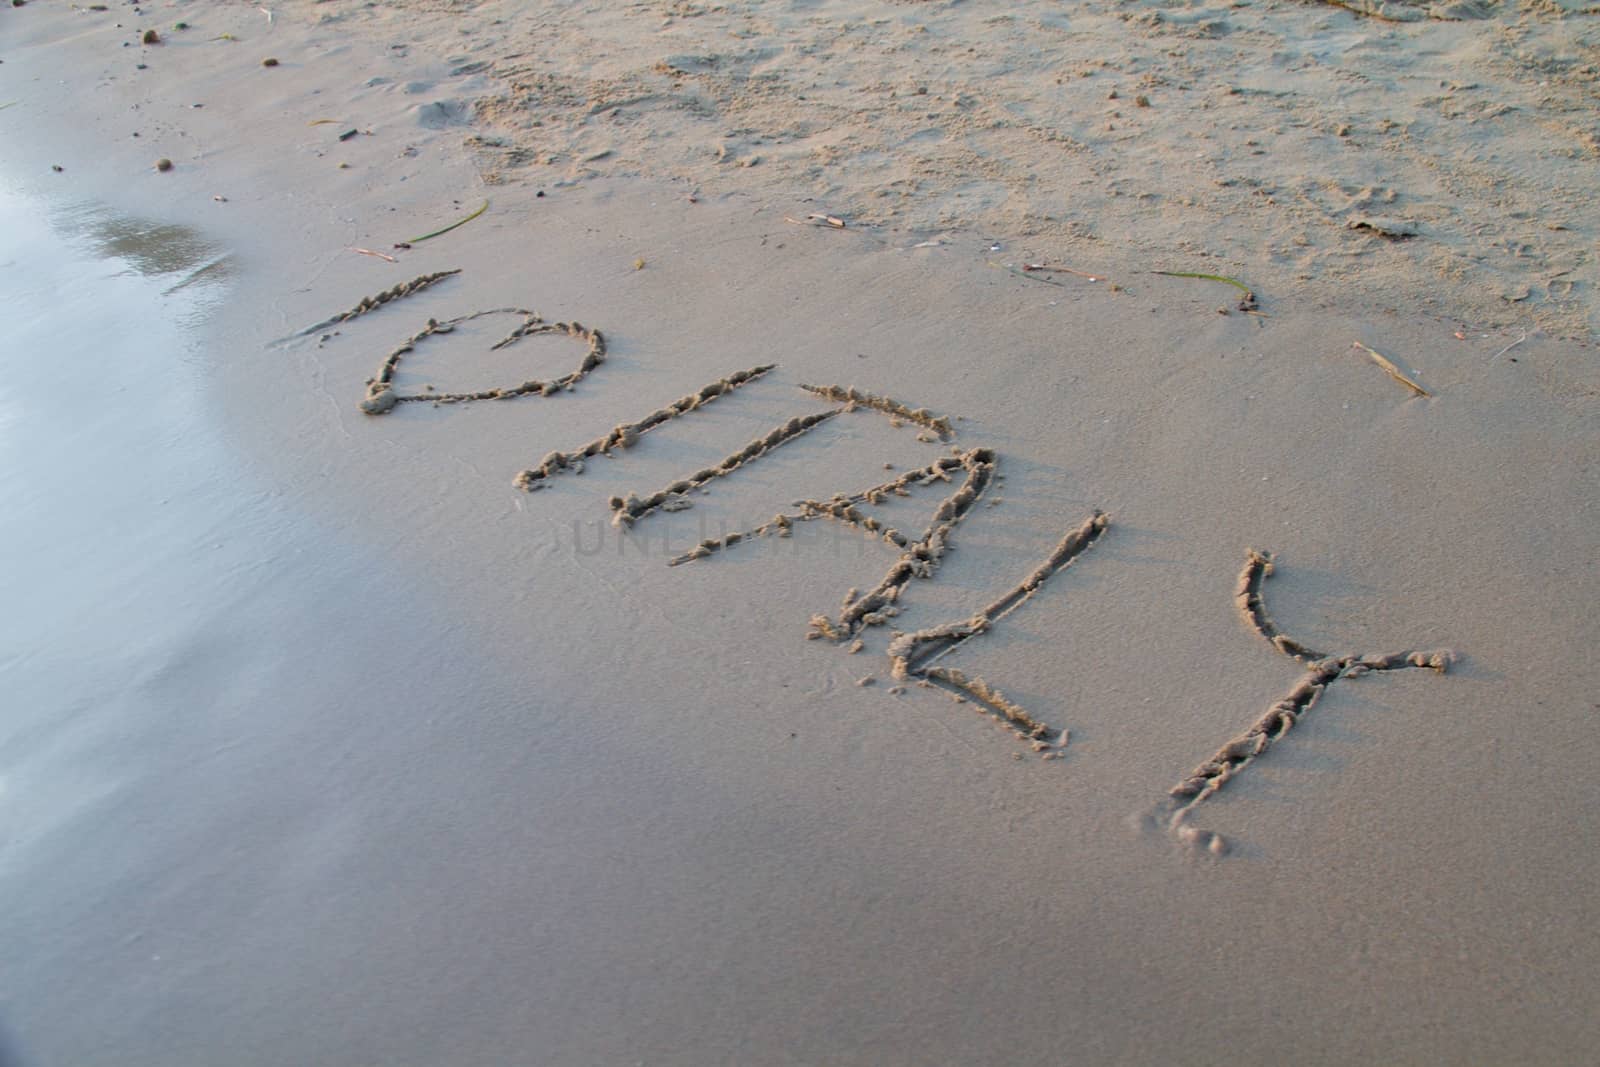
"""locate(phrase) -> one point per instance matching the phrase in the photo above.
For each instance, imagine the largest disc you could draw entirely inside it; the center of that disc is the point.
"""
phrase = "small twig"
(322, 122)
(1509, 347)
(827, 220)
(1393, 371)
(1064, 270)
(267, 13)
(380, 255)
(1034, 276)
(448, 228)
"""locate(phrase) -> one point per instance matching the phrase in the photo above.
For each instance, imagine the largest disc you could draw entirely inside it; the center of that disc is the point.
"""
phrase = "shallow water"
(129, 526)
(162, 774)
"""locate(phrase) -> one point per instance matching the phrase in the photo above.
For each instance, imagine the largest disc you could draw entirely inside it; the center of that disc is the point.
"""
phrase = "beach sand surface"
(328, 742)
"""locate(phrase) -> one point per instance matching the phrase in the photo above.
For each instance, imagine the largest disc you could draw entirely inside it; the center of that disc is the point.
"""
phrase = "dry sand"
(445, 771)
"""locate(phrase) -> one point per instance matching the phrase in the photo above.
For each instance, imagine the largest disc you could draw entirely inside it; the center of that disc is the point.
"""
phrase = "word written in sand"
(968, 474)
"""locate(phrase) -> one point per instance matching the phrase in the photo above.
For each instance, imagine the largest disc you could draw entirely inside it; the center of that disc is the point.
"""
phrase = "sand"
(364, 752)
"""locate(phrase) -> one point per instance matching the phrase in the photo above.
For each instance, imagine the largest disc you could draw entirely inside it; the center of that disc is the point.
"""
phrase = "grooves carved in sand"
(919, 558)
(381, 395)
(372, 303)
(852, 397)
(626, 435)
(627, 510)
(842, 507)
(912, 654)
(1322, 670)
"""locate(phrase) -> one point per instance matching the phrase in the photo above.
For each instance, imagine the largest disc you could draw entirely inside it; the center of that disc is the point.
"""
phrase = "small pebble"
(151, 37)
(868, 680)
(269, 62)
(163, 164)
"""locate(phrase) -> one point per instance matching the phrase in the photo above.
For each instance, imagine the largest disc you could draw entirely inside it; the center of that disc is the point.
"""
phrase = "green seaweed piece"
(1247, 304)
(452, 226)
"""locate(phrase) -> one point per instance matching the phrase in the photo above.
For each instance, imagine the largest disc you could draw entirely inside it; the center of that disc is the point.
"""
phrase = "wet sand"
(367, 753)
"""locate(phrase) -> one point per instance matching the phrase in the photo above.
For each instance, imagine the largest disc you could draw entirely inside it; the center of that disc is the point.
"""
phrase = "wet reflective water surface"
(154, 713)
